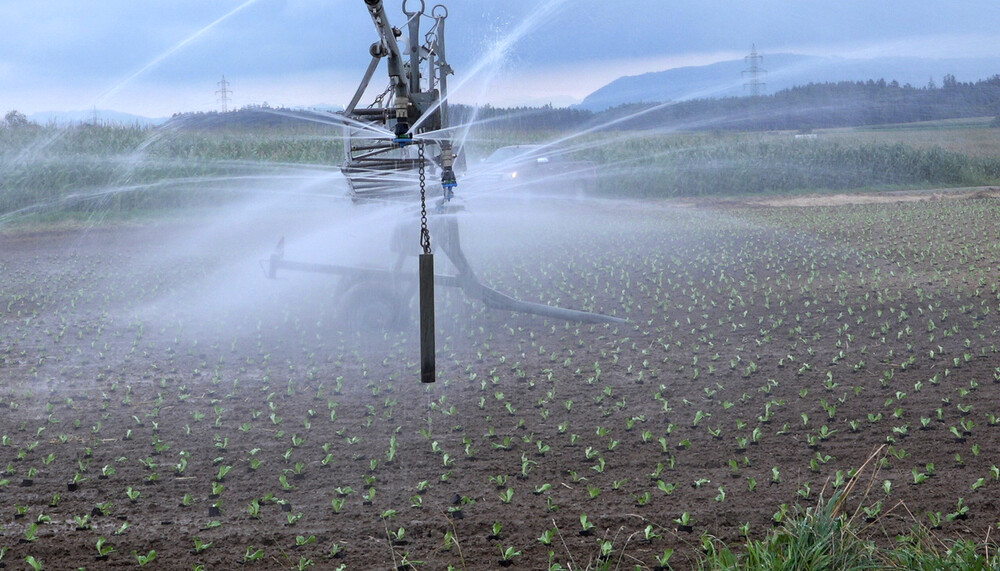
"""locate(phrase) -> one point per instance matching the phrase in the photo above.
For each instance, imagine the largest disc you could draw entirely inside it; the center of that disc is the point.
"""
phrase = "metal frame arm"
(364, 84)
(388, 35)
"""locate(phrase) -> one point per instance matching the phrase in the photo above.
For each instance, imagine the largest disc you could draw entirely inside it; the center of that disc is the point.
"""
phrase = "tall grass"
(113, 168)
(123, 168)
(822, 538)
(672, 166)
(829, 537)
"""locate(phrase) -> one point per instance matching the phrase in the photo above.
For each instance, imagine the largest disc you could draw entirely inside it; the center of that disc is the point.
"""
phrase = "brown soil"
(844, 199)
(141, 349)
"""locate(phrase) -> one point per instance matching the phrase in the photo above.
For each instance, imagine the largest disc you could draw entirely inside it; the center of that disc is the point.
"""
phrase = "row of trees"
(840, 104)
(14, 119)
(812, 106)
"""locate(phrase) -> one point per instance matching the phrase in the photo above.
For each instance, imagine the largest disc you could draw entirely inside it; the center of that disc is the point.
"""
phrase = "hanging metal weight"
(426, 284)
(427, 370)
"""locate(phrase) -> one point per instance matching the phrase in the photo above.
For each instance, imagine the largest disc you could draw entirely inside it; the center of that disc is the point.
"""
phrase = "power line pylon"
(223, 92)
(753, 72)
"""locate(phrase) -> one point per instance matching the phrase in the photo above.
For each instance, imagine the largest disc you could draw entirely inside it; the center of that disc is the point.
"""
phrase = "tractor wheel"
(367, 308)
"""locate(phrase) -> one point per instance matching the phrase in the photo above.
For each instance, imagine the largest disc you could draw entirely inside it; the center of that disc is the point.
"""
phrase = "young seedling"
(586, 525)
(547, 536)
(685, 522)
(82, 522)
(301, 540)
(546, 487)
(253, 508)
(145, 559)
(872, 512)
(507, 555)
(103, 508)
(31, 532)
(663, 561)
(253, 554)
(961, 512)
(780, 515)
(665, 487)
(103, 549)
(200, 545)
(449, 540)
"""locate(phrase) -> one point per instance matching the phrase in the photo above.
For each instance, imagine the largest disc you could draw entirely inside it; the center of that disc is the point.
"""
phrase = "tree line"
(802, 108)
(825, 105)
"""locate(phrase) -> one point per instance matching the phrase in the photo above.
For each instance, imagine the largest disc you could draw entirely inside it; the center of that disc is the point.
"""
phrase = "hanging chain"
(425, 234)
(378, 100)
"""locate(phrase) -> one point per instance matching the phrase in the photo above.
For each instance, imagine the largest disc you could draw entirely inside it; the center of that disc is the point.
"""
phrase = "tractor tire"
(370, 308)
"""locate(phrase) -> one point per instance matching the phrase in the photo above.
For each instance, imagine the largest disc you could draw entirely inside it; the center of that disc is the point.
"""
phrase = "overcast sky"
(157, 57)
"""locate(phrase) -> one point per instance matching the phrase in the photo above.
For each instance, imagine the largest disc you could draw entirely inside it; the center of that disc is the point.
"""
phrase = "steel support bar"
(465, 280)
(496, 300)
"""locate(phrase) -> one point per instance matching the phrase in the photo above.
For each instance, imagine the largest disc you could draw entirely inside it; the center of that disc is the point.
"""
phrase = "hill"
(784, 71)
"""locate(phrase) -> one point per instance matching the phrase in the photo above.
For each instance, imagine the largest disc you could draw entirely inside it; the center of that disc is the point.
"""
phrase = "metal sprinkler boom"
(391, 145)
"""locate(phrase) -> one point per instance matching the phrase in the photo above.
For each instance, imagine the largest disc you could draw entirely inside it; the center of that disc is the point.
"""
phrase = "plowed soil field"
(159, 392)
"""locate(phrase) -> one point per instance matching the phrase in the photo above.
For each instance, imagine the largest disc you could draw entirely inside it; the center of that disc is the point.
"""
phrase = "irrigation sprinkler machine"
(393, 146)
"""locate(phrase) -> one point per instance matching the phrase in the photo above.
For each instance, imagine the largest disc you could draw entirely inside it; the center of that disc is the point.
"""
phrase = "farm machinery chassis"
(374, 299)
(391, 146)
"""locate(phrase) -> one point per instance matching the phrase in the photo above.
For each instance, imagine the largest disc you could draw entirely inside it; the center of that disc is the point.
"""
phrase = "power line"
(754, 71)
(223, 92)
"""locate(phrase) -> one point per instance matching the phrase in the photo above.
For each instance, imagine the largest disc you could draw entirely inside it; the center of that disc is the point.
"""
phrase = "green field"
(808, 387)
(113, 169)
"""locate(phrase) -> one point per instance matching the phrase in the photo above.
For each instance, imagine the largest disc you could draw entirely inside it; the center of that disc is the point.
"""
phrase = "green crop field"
(796, 387)
(109, 168)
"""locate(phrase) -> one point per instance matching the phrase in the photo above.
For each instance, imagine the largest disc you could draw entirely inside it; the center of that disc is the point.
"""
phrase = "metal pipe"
(388, 34)
(443, 68)
(413, 28)
(496, 300)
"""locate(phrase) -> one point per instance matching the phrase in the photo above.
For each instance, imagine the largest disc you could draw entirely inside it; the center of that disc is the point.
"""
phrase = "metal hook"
(423, 7)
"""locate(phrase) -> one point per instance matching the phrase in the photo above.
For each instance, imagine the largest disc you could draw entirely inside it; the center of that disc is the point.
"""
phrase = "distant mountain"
(103, 116)
(727, 79)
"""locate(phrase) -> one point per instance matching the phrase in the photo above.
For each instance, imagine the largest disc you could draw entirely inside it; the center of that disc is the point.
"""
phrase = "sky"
(159, 57)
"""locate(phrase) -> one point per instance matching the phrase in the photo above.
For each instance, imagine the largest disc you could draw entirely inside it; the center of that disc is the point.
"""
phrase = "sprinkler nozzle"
(448, 180)
(403, 136)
